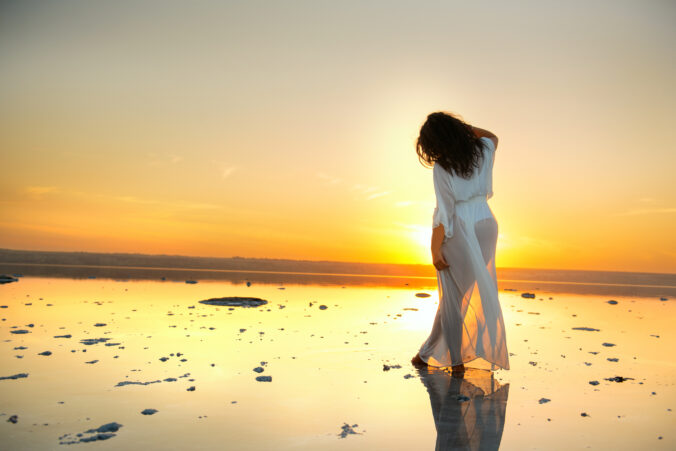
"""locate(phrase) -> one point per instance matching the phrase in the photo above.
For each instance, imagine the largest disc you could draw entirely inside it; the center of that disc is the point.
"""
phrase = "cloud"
(225, 172)
(38, 192)
(648, 211)
(374, 195)
(330, 180)
(189, 205)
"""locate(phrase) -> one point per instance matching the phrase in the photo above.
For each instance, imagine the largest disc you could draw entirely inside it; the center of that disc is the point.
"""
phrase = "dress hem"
(466, 362)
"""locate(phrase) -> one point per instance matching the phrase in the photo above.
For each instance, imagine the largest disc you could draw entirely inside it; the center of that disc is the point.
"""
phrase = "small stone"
(264, 378)
(191, 388)
(45, 353)
(544, 400)
(259, 369)
(13, 419)
(593, 382)
(149, 411)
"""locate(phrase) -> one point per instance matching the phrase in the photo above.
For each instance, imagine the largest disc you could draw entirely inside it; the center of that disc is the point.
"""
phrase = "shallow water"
(326, 367)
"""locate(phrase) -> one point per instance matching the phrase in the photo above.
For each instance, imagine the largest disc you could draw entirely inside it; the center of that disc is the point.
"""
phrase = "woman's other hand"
(439, 261)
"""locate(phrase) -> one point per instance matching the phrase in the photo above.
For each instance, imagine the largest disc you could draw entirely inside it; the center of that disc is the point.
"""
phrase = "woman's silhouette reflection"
(469, 411)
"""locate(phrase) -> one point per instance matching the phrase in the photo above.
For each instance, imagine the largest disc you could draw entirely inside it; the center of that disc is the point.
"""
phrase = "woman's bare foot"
(417, 360)
(458, 369)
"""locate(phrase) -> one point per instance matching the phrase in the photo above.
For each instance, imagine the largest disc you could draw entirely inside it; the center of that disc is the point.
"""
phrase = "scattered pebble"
(544, 400)
(149, 411)
(347, 430)
(264, 378)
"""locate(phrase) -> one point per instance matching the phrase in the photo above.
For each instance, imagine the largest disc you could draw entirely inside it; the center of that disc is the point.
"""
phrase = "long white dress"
(468, 324)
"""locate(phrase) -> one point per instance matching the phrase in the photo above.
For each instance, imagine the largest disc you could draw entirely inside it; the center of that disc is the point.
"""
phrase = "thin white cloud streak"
(648, 211)
(226, 172)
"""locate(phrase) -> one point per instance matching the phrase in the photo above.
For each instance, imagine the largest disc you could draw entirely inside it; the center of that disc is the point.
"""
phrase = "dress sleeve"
(445, 209)
(489, 159)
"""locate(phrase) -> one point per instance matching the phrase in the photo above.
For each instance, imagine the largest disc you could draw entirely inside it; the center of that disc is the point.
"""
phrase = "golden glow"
(300, 143)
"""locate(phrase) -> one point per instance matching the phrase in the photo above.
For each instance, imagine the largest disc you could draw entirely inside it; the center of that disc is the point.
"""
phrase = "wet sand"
(142, 364)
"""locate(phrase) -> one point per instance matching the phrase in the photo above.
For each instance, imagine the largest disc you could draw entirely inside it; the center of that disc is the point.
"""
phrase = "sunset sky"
(287, 129)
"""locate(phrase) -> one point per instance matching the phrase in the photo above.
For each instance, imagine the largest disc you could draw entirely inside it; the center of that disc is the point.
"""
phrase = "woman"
(468, 324)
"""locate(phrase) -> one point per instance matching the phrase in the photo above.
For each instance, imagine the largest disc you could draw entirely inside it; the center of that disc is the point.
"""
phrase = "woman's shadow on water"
(469, 411)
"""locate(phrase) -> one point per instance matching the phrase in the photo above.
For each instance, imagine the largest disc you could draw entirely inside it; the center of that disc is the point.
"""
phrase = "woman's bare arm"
(481, 133)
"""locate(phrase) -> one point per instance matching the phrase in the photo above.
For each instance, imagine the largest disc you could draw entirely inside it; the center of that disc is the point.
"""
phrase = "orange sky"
(286, 130)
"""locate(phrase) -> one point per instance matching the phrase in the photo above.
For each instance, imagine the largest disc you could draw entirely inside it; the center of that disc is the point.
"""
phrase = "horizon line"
(314, 261)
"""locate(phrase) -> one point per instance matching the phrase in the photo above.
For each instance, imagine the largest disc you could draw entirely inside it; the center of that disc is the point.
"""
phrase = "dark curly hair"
(447, 140)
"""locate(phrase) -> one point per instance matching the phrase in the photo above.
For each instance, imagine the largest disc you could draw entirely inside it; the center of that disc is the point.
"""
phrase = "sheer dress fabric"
(468, 324)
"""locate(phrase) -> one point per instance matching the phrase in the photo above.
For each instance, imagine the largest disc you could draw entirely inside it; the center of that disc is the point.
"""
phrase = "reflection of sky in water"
(326, 368)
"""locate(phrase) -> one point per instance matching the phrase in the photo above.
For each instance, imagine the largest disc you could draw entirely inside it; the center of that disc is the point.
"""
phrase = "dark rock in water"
(63, 336)
(589, 329)
(45, 353)
(389, 367)
(191, 281)
(101, 433)
(347, 430)
(149, 411)
(123, 383)
(248, 284)
(20, 331)
(99, 324)
(192, 388)
(4, 278)
(408, 376)
(612, 302)
(608, 345)
(164, 359)
(528, 295)
(584, 414)
(235, 301)
(322, 307)
(13, 419)
(422, 295)
(14, 376)
(619, 379)
(544, 400)
(613, 359)
(259, 369)
(663, 299)
(92, 362)
(93, 341)
(593, 382)
(264, 378)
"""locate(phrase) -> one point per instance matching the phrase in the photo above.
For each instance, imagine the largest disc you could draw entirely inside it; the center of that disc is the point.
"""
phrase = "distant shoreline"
(279, 271)
(169, 262)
